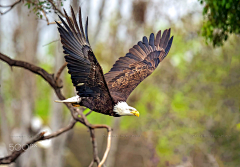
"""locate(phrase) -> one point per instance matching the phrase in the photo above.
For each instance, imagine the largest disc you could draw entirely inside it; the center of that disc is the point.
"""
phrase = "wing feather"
(138, 64)
(165, 38)
(151, 41)
(85, 71)
(139, 49)
(133, 57)
(158, 37)
(80, 21)
(169, 45)
(136, 53)
(86, 30)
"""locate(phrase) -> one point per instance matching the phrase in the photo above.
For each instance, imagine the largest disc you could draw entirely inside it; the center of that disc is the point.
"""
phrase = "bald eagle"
(108, 93)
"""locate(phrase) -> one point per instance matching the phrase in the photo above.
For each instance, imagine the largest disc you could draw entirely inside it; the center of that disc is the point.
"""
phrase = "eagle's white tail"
(74, 99)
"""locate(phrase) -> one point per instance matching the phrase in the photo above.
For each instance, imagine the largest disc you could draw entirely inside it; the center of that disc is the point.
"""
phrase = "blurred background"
(189, 106)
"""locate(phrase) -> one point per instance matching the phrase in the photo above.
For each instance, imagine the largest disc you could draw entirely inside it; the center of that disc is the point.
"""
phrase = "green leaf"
(228, 5)
(223, 2)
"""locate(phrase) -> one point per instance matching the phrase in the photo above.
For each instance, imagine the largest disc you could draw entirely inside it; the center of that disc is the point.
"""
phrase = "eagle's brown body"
(101, 92)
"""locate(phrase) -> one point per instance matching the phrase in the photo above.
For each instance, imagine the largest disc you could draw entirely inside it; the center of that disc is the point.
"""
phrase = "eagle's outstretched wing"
(138, 64)
(86, 73)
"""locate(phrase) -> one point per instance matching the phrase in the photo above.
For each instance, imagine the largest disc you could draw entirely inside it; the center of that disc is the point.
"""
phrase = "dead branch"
(93, 139)
(11, 158)
(59, 73)
(53, 82)
(37, 70)
(91, 164)
(9, 6)
(107, 149)
(88, 113)
(55, 8)
(54, 22)
(15, 154)
(50, 42)
(94, 143)
(45, 15)
(60, 131)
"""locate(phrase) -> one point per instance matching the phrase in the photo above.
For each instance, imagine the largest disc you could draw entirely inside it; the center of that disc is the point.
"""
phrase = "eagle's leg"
(75, 100)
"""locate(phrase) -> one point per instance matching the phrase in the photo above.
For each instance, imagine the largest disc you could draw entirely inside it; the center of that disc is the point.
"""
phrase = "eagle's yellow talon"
(75, 105)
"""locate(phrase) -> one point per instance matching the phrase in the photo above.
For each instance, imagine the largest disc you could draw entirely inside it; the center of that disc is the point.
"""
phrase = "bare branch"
(88, 113)
(107, 149)
(91, 164)
(94, 143)
(74, 112)
(55, 8)
(57, 80)
(48, 23)
(37, 70)
(44, 14)
(50, 42)
(60, 131)
(15, 154)
(9, 6)
(11, 158)
(54, 22)
(45, 75)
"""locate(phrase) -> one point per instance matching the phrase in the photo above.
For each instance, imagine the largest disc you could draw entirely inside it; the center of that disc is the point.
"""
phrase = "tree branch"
(88, 113)
(55, 8)
(11, 158)
(9, 6)
(60, 131)
(107, 149)
(51, 42)
(37, 70)
(91, 164)
(48, 23)
(53, 82)
(57, 80)
(15, 154)
(94, 143)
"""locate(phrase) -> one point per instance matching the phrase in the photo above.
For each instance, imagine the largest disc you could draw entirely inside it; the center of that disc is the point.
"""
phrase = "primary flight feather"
(108, 93)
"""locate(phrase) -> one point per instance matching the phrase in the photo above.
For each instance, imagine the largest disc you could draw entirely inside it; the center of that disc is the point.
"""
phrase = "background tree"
(221, 18)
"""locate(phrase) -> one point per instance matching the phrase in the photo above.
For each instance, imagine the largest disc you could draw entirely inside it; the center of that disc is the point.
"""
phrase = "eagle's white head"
(123, 109)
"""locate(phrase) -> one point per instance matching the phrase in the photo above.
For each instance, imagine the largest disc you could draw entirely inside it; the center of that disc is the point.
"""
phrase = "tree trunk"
(26, 42)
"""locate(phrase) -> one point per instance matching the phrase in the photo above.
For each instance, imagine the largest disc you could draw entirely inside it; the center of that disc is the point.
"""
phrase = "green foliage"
(43, 93)
(42, 105)
(222, 18)
(41, 7)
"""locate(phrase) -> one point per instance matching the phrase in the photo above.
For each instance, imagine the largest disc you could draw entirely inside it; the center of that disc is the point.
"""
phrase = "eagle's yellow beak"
(136, 113)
